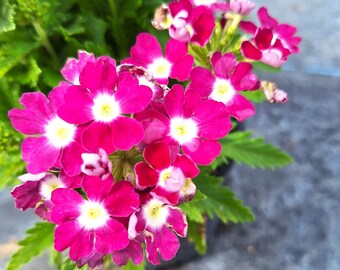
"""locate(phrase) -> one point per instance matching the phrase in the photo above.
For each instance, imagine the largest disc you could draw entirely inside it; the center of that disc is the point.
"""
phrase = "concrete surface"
(297, 208)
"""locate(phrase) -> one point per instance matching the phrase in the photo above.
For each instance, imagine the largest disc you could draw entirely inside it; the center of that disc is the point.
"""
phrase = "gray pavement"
(297, 208)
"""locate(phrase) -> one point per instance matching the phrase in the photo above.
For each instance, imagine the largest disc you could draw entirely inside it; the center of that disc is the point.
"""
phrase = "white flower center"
(172, 179)
(183, 130)
(48, 185)
(155, 213)
(59, 132)
(223, 91)
(93, 215)
(105, 108)
(160, 68)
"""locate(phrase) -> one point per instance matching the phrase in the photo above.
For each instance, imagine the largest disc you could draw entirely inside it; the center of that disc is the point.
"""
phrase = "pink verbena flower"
(92, 225)
(214, 5)
(52, 142)
(165, 171)
(230, 77)
(102, 102)
(283, 32)
(266, 48)
(159, 223)
(133, 252)
(194, 125)
(176, 63)
(191, 24)
(36, 189)
(73, 66)
(243, 7)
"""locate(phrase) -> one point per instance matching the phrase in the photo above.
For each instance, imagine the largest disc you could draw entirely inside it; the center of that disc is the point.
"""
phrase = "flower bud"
(243, 7)
(96, 164)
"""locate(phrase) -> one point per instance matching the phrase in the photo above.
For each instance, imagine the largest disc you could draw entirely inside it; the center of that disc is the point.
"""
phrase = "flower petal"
(132, 97)
(98, 135)
(39, 154)
(240, 108)
(66, 205)
(126, 132)
(122, 200)
(145, 175)
(113, 236)
(202, 152)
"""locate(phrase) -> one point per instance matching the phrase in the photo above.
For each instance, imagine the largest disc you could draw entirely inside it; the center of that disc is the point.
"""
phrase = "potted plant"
(121, 154)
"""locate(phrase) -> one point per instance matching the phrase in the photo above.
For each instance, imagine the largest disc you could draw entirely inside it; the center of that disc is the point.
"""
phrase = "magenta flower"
(176, 63)
(283, 32)
(90, 226)
(266, 48)
(194, 125)
(159, 223)
(101, 101)
(243, 7)
(52, 142)
(36, 189)
(166, 171)
(191, 24)
(229, 78)
(133, 252)
(73, 66)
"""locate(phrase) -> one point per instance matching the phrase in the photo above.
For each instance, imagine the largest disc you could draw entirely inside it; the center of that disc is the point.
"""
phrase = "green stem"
(231, 27)
(46, 42)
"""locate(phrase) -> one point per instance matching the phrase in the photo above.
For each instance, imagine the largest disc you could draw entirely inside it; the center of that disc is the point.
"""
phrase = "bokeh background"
(298, 207)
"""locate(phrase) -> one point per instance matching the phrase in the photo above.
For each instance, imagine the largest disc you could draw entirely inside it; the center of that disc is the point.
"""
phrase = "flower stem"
(45, 42)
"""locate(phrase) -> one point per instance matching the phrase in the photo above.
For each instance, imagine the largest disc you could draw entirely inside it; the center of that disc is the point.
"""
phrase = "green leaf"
(56, 259)
(6, 16)
(39, 238)
(197, 235)
(253, 152)
(260, 66)
(220, 201)
(11, 55)
(69, 265)
(256, 96)
(131, 266)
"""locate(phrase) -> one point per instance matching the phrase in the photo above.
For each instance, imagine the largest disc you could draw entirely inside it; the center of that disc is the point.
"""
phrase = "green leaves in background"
(6, 16)
(131, 266)
(253, 152)
(39, 238)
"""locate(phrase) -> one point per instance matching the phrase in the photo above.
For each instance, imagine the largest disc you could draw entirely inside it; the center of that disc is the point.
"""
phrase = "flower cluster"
(113, 150)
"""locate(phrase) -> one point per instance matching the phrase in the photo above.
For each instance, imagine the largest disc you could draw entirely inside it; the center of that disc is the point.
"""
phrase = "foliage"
(38, 239)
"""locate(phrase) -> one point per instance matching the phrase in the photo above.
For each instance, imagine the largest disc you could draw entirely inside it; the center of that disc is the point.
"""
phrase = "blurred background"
(297, 208)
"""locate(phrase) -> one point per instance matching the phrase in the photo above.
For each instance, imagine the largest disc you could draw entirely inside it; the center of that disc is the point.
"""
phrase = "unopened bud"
(162, 19)
(273, 94)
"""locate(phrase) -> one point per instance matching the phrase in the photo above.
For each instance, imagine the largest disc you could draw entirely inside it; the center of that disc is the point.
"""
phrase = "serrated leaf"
(197, 235)
(220, 201)
(6, 16)
(56, 259)
(131, 266)
(253, 152)
(39, 238)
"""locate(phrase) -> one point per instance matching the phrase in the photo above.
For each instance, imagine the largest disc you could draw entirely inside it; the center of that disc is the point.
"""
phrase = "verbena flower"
(52, 142)
(191, 24)
(147, 52)
(158, 223)
(224, 85)
(85, 225)
(165, 171)
(103, 102)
